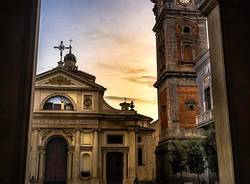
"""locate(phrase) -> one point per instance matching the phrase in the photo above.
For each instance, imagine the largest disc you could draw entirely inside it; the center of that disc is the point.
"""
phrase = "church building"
(78, 138)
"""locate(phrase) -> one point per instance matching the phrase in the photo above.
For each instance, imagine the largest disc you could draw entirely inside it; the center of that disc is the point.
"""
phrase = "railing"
(205, 117)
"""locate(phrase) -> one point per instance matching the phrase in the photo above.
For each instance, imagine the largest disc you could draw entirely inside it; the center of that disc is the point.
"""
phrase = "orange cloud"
(148, 80)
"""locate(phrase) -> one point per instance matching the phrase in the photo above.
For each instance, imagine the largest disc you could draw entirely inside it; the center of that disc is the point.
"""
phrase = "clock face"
(185, 2)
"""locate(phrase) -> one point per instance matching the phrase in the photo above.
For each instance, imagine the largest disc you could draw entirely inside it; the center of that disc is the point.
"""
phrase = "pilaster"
(95, 154)
(76, 171)
(70, 164)
(34, 155)
(41, 165)
(132, 156)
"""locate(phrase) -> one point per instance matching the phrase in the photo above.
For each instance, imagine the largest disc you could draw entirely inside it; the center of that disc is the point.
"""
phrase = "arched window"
(187, 53)
(58, 103)
(86, 164)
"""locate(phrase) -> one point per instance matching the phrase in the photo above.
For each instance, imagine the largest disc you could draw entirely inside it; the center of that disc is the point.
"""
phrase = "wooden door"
(56, 161)
(114, 168)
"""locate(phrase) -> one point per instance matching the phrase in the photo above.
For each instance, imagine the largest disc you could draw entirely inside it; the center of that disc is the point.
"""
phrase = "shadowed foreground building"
(78, 138)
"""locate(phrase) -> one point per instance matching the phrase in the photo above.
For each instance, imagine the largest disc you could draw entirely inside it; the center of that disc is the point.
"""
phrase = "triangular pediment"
(63, 78)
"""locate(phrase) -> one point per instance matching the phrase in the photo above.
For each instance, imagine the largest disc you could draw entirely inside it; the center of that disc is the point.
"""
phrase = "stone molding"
(86, 148)
(180, 134)
(166, 13)
(123, 149)
(62, 88)
(173, 74)
(64, 121)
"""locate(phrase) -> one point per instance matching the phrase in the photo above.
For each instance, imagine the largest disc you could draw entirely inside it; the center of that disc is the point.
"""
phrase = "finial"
(125, 105)
(132, 106)
(60, 47)
(70, 47)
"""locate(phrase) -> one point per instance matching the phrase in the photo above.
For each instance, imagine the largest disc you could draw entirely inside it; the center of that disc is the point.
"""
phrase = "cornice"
(207, 6)
(71, 75)
(108, 148)
(75, 74)
(66, 88)
(89, 116)
(173, 13)
(168, 74)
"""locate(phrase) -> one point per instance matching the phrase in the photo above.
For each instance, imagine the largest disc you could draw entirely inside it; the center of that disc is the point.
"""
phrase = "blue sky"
(112, 39)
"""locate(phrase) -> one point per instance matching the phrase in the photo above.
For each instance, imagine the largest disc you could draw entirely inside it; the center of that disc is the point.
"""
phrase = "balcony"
(205, 118)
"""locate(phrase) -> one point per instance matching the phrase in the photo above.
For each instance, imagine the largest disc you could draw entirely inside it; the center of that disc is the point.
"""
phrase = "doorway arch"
(56, 161)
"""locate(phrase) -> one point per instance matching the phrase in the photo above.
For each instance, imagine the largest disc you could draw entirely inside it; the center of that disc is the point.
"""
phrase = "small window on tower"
(186, 29)
(190, 104)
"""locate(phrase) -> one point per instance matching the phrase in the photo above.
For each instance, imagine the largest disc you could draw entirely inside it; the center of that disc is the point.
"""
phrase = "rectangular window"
(139, 156)
(115, 139)
(207, 98)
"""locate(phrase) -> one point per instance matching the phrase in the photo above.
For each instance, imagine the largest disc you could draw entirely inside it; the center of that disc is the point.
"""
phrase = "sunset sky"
(112, 39)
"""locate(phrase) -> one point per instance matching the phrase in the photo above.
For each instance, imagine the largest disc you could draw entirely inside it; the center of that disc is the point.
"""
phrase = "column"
(34, 155)
(41, 166)
(95, 154)
(104, 159)
(70, 164)
(125, 167)
(132, 156)
(77, 156)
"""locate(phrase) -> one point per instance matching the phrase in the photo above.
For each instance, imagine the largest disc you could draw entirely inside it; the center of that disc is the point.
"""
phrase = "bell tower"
(181, 39)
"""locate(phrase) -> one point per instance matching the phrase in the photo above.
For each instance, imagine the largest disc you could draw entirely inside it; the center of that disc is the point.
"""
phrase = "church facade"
(78, 138)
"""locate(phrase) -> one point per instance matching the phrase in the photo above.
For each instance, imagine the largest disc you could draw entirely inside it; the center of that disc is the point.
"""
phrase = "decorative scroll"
(68, 132)
(59, 80)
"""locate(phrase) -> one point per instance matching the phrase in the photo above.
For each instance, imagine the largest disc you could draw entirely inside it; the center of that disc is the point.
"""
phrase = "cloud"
(148, 80)
(128, 99)
(122, 68)
(108, 37)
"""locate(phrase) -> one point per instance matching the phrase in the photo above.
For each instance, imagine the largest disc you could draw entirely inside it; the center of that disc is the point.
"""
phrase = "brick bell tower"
(180, 31)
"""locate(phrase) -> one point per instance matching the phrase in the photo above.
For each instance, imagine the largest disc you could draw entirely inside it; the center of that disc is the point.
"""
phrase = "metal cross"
(61, 47)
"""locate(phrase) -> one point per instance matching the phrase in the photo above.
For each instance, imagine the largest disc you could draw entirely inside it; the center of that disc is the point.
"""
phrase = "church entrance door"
(114, 168)
(56, 161)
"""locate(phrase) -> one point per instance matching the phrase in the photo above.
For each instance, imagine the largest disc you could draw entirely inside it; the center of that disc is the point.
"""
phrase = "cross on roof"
(61, 47)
